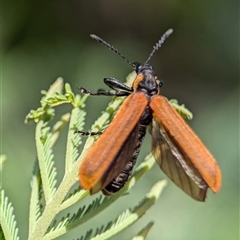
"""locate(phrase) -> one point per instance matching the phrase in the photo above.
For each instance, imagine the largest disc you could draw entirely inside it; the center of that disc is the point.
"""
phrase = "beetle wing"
(120, 161)
(112, 151)
(175, 165)
(185, 141)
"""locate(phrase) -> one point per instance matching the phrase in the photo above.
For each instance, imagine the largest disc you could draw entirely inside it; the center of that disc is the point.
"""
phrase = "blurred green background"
(199, 63)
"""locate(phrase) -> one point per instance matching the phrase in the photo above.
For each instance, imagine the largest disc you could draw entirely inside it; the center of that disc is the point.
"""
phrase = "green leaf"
(130, 216)
(181, 109)
(7, 219)
(144, 232)
(97, 205)
(35, 207)
(45, 158)
(73, 139)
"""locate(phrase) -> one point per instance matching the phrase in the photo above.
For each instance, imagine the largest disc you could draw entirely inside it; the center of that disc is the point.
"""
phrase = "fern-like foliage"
(49, 197)
(129, 216)
(9, 230)
(45, 159)
(141, 235)
(181, 109)
(36, 207)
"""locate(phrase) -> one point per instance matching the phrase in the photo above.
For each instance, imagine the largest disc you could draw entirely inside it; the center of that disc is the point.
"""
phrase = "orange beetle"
(177, 150)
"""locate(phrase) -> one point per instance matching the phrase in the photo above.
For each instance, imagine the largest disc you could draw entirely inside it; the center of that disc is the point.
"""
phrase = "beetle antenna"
(111, 48)
(160, 43)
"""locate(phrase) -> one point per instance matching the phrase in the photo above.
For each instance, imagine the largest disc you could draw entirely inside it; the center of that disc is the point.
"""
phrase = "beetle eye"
(137, 66)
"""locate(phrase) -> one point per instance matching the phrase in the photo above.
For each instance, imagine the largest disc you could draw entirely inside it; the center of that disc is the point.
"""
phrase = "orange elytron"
(178, 151)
